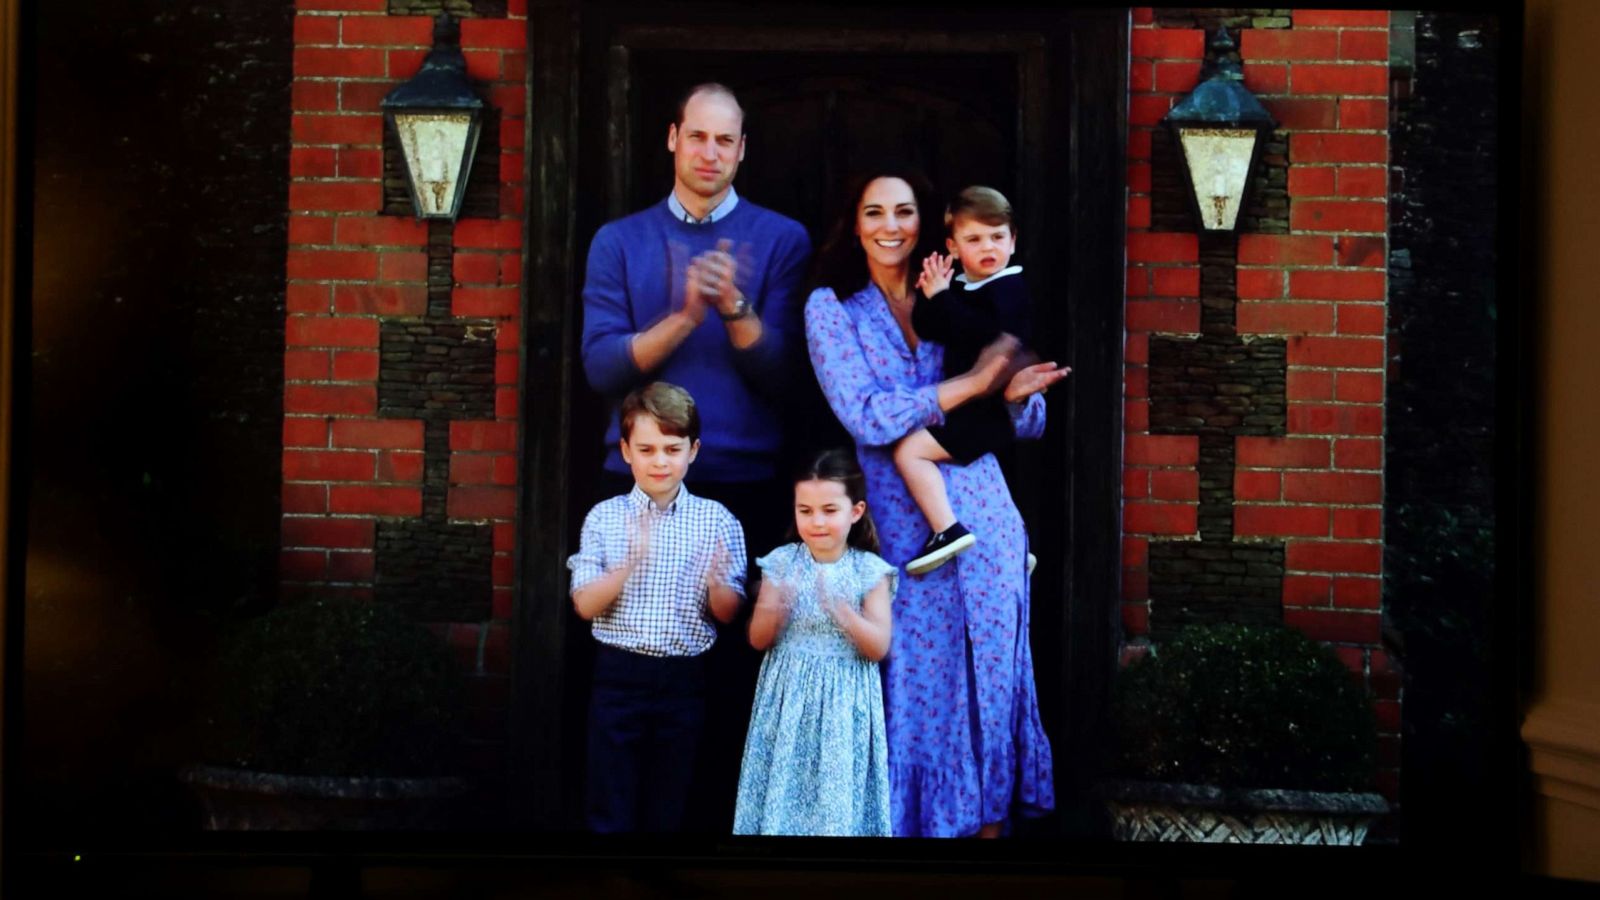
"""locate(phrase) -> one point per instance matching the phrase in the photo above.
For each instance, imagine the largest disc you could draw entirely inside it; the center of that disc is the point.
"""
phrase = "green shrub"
(336, 687)
(1247, 707)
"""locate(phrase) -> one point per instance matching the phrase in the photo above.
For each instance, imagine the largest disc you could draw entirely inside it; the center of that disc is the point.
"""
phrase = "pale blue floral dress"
(816, 755)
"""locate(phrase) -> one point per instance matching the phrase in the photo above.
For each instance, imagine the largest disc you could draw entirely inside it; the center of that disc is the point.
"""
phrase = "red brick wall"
(1321, 287)
(349, 267)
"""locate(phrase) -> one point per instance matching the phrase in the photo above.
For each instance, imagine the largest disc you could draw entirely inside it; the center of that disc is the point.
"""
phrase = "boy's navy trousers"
(646, 715)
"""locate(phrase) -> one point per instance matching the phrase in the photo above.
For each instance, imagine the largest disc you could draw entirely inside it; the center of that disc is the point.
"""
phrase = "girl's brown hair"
(840, 465)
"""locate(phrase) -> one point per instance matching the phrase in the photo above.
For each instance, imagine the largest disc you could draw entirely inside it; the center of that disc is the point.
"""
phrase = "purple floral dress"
(960, 631)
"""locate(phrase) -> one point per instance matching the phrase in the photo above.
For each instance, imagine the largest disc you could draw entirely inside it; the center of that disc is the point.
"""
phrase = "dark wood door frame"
(1072, 73)
(1027, 48)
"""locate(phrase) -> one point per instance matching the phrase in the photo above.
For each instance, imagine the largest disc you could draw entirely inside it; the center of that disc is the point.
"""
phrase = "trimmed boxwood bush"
(1245, 707)
(334, 686)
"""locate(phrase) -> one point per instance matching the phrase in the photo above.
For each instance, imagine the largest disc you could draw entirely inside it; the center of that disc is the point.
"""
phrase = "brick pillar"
(1253, 480)
(403, 340)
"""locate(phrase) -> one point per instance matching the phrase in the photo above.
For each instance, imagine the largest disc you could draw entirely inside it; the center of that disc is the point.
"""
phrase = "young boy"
(992, 302)
(652, 565)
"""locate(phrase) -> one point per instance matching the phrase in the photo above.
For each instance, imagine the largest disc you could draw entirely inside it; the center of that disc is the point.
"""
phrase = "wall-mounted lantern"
(437, 116)
(1220, 127)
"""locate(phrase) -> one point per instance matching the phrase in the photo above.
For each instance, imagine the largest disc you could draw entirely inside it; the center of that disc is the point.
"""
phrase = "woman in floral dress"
(966, 749)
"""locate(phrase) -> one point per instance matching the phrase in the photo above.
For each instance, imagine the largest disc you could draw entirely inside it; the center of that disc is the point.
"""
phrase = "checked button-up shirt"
(662, 610)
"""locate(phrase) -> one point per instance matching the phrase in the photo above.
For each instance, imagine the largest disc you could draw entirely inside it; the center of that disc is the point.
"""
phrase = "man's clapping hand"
(712, 280)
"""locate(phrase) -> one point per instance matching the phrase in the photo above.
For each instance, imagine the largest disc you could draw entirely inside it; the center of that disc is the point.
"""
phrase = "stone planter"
(1158, 811)
(242, 800)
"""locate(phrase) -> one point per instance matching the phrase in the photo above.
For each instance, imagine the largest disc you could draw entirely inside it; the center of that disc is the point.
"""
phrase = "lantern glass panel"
(435, 143)
(1219, 166)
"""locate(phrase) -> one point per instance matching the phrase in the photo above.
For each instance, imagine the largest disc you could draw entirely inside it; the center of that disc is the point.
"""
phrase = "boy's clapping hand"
(722, 599)
(936, 272)
(718, 562)
(599, 594)
(639, 539)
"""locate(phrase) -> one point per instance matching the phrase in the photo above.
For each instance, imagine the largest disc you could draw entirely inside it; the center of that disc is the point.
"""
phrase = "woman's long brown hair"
(841, 264)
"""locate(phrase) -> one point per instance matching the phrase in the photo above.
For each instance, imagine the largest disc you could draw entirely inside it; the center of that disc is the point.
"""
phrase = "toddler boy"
(991, 301)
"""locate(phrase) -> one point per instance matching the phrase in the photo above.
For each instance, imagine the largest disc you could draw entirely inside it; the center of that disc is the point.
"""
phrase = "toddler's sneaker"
(940, 548)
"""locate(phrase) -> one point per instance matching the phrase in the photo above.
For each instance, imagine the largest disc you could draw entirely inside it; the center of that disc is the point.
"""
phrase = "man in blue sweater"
(702, 290)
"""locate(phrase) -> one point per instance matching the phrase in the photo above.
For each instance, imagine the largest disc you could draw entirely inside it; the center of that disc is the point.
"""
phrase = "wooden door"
(963, 103)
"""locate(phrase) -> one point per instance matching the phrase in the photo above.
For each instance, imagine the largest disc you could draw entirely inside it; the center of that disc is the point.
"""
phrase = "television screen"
(517, 431)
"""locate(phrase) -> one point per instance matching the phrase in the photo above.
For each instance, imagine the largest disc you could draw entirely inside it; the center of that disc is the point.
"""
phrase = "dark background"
(151, 437)
(1440, 479)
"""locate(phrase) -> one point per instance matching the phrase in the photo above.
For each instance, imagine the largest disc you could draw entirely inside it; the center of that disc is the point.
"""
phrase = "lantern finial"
(446, 30)
(1223, 60)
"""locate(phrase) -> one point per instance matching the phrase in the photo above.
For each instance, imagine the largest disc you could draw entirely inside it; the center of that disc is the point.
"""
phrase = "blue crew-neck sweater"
(635, 276)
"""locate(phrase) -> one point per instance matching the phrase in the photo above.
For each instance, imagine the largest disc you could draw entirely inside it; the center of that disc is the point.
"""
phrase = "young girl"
(816, 756)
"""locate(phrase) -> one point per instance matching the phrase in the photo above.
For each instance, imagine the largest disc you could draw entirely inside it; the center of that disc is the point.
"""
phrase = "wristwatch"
(741, 308)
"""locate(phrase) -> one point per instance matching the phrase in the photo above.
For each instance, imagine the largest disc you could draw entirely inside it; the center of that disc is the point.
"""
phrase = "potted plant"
(331, 714)
(1242, 734)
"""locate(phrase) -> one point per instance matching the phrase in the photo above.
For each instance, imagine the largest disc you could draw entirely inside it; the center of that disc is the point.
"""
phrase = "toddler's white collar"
(974, 285)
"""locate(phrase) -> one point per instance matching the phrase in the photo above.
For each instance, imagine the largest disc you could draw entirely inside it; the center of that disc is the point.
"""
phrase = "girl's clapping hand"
(779, 600)
(771, 616)
(837, 609)
(839, 612)
(867, 628)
